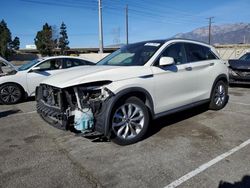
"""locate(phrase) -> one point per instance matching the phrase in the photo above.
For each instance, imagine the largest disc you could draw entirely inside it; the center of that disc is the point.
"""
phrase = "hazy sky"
(148, 19)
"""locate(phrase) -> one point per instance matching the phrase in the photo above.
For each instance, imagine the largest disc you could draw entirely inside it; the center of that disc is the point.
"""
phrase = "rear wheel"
(10, 93)
(130, 121)
(219, 96)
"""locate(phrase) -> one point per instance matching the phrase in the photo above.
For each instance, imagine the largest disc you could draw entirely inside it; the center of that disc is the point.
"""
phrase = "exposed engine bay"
(76, 107)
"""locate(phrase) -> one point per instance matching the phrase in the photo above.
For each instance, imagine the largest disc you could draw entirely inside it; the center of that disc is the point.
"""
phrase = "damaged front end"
(79, 108)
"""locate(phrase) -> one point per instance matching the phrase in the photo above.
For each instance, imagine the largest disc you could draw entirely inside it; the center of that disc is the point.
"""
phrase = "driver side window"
(52, 64)
(176, 51)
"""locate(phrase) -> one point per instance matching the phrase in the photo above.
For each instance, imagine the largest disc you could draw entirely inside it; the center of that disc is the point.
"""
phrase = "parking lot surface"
(34, 154)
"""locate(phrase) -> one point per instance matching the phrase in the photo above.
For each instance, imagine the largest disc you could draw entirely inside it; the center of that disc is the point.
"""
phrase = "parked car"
(239, 70)
(17, 83)
(138, 82)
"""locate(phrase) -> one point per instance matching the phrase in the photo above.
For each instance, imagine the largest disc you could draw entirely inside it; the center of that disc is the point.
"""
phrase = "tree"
(15, 44)
(44, 40)
(5, 40)
(63, 39)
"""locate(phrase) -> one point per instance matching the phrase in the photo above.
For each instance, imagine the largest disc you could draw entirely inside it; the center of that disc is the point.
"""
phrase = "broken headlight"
(232, 72)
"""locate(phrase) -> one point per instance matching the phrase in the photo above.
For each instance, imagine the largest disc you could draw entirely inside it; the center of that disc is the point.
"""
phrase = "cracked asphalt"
(34, 154)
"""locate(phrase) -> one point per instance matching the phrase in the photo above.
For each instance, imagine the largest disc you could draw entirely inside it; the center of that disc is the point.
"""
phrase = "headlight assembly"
(232, 72)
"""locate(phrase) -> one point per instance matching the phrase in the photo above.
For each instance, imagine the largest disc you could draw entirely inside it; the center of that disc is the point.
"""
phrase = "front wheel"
(10, 93)
(219, 96)
(129, 121)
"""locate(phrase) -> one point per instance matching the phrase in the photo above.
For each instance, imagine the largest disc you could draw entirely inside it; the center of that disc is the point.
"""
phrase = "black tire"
(219, 96)
(135, 122)
(10, 93)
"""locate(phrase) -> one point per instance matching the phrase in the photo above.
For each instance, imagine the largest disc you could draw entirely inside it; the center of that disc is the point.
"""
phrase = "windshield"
(132, 55)
(28, 65)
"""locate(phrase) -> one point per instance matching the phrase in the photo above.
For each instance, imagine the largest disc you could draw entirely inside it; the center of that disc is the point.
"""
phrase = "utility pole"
(126, 18)
(209, 29)
(100, 26)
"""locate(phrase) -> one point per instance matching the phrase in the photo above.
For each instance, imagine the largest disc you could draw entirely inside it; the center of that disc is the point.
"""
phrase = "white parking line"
(206, 165)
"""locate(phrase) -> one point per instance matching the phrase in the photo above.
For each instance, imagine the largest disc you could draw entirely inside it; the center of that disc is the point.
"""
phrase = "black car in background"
(239, 70)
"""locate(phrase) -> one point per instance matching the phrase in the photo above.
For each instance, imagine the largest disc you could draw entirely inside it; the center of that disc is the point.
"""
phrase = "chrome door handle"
(188, 68)
(211, 64)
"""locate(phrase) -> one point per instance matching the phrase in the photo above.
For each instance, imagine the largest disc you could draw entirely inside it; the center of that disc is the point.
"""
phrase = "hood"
(6, 68)
(87, 74)
(239, 64)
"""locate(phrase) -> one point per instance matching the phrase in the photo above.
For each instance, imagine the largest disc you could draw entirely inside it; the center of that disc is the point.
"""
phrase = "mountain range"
(236, 33)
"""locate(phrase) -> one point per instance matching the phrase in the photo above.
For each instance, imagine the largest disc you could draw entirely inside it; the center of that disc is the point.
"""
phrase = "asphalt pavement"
(194, 148)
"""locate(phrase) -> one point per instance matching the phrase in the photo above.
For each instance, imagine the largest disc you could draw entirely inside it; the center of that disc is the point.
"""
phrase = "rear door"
(202, 61)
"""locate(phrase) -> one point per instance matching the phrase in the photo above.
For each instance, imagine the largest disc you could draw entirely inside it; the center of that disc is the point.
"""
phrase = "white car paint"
(29, 79)
(169, 89)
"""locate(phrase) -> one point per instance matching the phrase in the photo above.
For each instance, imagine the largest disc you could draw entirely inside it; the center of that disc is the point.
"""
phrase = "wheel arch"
(222, 77)
(138, 92)
(141, 93)
(24, 93)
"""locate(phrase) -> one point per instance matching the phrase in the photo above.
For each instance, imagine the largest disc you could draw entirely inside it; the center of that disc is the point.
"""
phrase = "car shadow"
(244, 183)
(158, 124)
(240, 85)
(8, 112)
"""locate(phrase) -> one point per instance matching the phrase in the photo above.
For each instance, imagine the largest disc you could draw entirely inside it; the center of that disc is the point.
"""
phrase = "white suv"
(138, 82)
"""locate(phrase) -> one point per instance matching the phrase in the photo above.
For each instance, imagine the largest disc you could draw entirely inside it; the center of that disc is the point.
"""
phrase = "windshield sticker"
(152, 44)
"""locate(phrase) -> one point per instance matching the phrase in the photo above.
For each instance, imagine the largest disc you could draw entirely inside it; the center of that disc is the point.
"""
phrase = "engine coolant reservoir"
(84, 120)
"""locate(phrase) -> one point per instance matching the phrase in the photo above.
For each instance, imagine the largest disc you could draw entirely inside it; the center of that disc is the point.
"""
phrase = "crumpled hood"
(239, 64)
(8, 68)
(87, 74)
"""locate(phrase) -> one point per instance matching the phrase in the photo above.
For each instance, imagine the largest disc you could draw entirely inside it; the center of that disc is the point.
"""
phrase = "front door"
(46, 69)
(173, 83)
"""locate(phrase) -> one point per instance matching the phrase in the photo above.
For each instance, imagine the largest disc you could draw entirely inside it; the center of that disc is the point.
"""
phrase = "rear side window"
(197, 52)
(75, 62)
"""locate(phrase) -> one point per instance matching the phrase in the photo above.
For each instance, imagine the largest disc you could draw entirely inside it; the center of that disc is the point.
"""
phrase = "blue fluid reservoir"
(84, 120)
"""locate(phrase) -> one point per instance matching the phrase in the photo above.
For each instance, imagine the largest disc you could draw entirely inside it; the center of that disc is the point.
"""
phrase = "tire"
(10, 93)
(219, 96)
(129, 121)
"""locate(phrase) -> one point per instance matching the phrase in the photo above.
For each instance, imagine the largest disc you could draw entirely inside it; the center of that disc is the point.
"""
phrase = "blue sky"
(148, 19)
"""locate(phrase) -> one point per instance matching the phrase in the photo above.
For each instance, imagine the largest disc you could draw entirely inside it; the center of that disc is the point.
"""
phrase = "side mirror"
(34, 69)
(166, 61)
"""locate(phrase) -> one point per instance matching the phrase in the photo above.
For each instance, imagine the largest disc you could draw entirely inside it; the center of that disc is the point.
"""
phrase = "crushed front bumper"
(59, 118)
(239, 77)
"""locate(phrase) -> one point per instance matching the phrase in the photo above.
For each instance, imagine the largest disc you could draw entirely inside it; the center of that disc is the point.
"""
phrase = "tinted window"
(209, 54)
(1, 65)
(197, 52)
(52, 64)
(175, 51)
(75, 62)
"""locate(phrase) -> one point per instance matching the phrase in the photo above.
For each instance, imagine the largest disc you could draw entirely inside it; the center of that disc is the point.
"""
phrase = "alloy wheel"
(220, 95)
(128, 121)
(10, 94)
